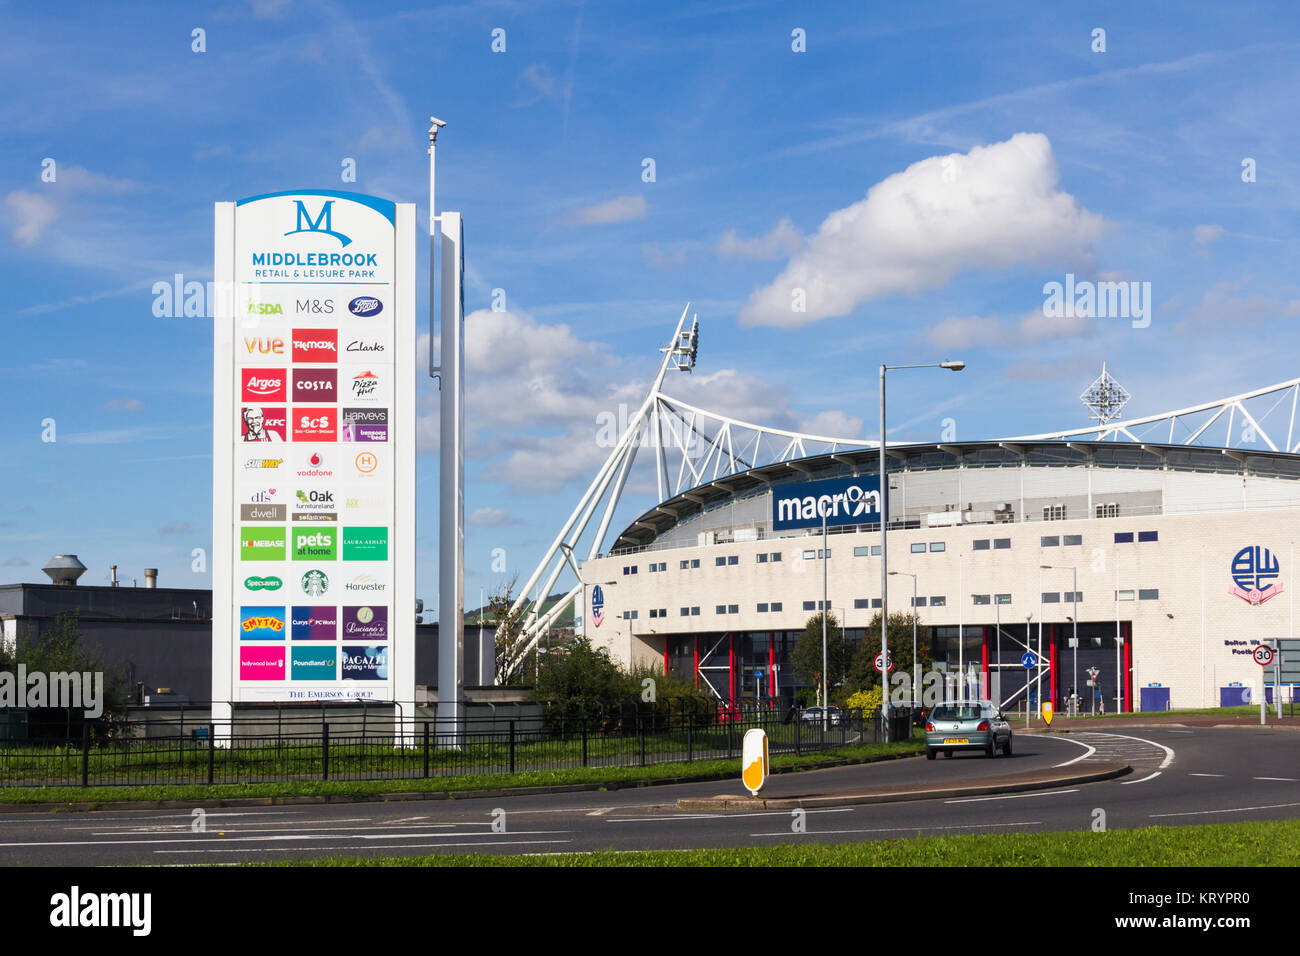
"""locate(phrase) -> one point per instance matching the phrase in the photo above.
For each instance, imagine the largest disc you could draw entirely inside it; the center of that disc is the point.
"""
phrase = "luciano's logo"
(325, 217)
(1254, 571)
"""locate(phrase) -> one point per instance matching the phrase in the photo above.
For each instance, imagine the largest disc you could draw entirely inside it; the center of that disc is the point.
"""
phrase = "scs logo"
(264, 346)
(262, 385)
(264, 308)
(315, 424)
(314, 384)
(365, 306)
(315, 345)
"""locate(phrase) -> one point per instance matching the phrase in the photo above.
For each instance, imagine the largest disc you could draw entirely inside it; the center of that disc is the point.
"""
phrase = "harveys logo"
(365, 306)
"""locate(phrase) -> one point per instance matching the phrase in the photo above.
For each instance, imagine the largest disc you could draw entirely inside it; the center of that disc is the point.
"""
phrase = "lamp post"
(916, 668)
(1029, 616)
(826, 555)
(952, 366)
(1074, 600)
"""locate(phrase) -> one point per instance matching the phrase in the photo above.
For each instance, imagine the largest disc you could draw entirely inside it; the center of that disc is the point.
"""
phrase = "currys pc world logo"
(365, 306)
(315, 345)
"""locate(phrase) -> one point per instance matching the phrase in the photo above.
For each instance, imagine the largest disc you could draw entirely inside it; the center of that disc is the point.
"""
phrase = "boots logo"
(365, 306)
(323, 223)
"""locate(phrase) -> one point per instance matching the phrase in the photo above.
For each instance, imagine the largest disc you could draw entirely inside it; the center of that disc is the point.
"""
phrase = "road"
(1180, 776)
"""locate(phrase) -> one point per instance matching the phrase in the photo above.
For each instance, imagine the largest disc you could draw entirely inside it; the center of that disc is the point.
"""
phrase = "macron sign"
(842, 501)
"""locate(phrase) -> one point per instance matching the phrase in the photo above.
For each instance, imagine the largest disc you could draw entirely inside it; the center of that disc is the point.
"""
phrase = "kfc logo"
(262, 424)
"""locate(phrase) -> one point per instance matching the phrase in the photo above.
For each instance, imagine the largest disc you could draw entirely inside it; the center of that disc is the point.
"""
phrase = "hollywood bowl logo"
(1254, 573)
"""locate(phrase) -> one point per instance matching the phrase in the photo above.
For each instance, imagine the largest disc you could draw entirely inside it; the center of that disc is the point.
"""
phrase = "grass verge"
(612, 777)
(1272, 843)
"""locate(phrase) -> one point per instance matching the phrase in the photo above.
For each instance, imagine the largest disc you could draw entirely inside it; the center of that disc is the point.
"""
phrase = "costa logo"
(315, 424)
(315, 345)
(315, 384)
(262, 385)
(365, 306)
(263, 345)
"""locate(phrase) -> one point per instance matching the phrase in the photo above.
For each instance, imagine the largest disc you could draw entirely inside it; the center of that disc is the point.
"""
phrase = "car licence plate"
(956, 740)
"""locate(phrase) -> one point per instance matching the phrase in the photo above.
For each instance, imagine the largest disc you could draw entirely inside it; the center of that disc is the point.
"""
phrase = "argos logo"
(315, 424)
(315, 384)
(262, 384)
(315, 345)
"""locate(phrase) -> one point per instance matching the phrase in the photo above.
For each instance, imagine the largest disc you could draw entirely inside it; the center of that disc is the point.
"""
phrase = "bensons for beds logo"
(842, 501)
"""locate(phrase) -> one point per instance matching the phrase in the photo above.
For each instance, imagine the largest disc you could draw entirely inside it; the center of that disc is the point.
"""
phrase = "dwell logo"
(76, 909)
(841, 501)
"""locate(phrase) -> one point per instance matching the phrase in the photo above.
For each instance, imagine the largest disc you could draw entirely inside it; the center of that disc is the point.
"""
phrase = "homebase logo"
(76, 909)
(82, 691)
(1098, 300)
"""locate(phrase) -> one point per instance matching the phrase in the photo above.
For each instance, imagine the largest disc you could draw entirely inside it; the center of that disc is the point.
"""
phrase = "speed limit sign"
(884, 663)
(1263, 655)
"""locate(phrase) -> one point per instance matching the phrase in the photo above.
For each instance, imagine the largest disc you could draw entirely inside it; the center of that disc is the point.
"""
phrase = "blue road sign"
(1028, 659)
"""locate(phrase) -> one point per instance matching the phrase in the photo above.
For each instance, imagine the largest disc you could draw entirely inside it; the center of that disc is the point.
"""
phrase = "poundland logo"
(841, 501)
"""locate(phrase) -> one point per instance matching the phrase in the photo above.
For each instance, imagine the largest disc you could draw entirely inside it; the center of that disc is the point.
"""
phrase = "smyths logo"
(315, 424)
(315, 384)
(262, 384)
(315, 345)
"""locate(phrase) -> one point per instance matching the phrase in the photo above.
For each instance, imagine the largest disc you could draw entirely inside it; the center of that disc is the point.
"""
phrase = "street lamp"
(826, 557)
(1029, 616)
(1074, 596)
(952, 366)
(916, 669)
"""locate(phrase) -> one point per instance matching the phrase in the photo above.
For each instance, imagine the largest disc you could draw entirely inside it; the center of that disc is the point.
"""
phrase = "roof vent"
(64, 569)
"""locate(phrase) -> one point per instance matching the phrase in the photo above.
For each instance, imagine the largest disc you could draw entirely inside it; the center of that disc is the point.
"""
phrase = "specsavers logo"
(269, 583)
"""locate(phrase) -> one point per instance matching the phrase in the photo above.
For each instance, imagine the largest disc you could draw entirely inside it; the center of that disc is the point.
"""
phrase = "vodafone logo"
(315, 424)
(315, 345)
(262, 385)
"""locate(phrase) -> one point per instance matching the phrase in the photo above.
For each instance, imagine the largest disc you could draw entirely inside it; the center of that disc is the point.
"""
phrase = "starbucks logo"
(315, 583)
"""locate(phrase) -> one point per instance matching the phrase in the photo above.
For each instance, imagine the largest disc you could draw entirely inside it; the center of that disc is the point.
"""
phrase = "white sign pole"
(223, 401)
(451, 523)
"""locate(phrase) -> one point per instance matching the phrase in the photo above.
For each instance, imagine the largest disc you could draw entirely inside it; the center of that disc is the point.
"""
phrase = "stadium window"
(875, 550)
(720, 609)
(695, 562)
(1054, 513)
(762, 609)
(862, 552)
(1001, 599)
(733, 559)
(980, 544)
(762, 557)
(686, 612)
(733, 608)
(1108, 510)
(936, 546)
(663, 612)
(634, 569)
(824, 554)
(809, 555)
(720, 562)
(1148, 536)
(685, 565)
(654, 612)
(663, 565)
(1123, 537)
(875, 603)
(1072, 540)
(1049, 541)
(654, 568)
(918, 547)
(1123, 595)
(938, 602)
(695, 611)
(1148, 594)
(918, 602)
(1071, 597)
(861, 604)
(776, 555)
(1001, 544)
(1051, 597)
(980, 599)
(776, 606)
(810, 605)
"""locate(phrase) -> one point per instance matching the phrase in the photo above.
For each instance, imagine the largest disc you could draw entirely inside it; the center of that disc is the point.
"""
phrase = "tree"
(579, 671)
(862, 673)
(62, 649)
(807, 654)
(508, 625)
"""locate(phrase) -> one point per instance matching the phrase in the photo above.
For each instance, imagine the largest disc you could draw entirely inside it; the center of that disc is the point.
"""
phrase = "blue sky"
(923, 170)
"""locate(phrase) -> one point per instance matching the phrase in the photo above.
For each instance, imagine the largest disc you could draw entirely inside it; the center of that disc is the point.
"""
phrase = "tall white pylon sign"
(451, 459)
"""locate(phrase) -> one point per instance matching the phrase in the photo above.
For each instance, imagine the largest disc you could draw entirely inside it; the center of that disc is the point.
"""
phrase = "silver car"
(966, 725)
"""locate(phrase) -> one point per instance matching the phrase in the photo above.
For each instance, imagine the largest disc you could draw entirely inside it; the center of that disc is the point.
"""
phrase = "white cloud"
(659, 258)
(124, 404)
(17, 563)
(176, 527)
(492, 517)
(976, 330)
(1222, 305)
(992, 208)
(965, 331)
(783, 240)
(1207, 234)
(538, 83)
(619, 209)
(32, 214)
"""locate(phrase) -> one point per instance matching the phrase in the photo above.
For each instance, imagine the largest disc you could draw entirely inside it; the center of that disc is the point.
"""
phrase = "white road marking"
(719, 816)
(395, 846)
(1150, 776)
(1205, 775)
(600, 812)
(1199, 813)
(279, 838)
(1284, 779)
(1090, 749)
(968, 826)
(1011, 796)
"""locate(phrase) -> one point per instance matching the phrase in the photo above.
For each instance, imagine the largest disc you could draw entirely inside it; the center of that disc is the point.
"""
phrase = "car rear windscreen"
(955, 712)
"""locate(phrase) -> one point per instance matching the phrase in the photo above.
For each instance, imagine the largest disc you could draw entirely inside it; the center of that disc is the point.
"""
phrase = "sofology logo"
(1254, 575)
(842, 501)
(323, 223)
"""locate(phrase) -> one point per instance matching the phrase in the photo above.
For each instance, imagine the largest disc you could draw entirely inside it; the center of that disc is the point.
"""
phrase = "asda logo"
(311, 544)
(262, 544)
(256, 583)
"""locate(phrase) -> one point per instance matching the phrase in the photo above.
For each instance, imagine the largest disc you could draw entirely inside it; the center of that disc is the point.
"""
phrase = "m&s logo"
(325, 217)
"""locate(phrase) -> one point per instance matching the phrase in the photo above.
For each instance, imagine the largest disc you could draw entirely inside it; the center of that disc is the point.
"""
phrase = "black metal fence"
(353, 745)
